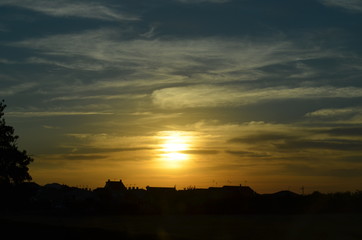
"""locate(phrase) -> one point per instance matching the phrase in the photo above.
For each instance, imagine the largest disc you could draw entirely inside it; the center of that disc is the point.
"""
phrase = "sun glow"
(174, 145)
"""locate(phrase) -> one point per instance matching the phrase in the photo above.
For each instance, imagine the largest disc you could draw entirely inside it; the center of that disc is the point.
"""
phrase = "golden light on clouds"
(173, 146)
(112, 98)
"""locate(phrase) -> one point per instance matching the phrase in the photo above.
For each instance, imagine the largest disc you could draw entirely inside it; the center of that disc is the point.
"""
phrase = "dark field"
(185, 227)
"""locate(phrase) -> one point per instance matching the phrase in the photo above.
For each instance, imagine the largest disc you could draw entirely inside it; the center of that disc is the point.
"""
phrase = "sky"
(264, 93)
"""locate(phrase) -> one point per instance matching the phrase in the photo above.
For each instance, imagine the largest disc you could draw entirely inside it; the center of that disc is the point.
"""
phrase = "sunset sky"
(265, 93)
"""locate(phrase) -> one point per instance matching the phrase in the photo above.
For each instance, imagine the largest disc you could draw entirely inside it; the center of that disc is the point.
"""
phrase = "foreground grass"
(187, 227)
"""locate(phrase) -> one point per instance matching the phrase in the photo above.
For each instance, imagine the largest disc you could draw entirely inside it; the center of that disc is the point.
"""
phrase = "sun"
(173, 148)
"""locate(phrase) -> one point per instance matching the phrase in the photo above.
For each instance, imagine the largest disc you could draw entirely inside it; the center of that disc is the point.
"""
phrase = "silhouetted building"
(285, 193)
(115, 186)
(161, 189)
(242, 190)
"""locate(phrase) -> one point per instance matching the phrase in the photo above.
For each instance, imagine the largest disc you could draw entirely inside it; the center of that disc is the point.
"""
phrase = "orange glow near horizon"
(173, 147)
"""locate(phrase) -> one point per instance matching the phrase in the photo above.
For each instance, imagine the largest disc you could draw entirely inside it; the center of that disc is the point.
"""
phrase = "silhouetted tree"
(13, 162)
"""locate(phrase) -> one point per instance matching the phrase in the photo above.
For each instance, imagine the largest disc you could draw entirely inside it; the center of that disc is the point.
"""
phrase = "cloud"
(66, 8)
(201, 1)
(328, 144)
(247, 154)
(53, 114)
(201, 152)
(209, 59)
(6, 61)
(353, 159)
(150, 33)
(99, 97)
(262, 137)
(77, 64)
(16, 89)
(50, 127)
(354, 5)
(345, 172)
(344, 131)
(140, 66)
(97, 150)
(307, 170)
(297, 144)
(334, 112)
(88, 143)
(216, 96)
(83, 157)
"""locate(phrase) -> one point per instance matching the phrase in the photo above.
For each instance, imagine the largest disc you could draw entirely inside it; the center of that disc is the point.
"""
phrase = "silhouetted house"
(285, 194)
(280, 202)
(161, 189)
(115, 186)
(240, 190)
(160, 199)
(244, 190)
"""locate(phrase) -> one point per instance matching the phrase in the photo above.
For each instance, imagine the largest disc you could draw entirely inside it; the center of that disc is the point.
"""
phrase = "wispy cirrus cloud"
(170, 60)
(293, 144)
(327, 144)
(86, 157)
(78, 64)
(66, 8)
(334, 112)
(6, 61)
(247, 154)
(17, 88)
(201, 1)
(98, 97)
(53, 114)
(86, 143)
(354, 5)
(216, 96)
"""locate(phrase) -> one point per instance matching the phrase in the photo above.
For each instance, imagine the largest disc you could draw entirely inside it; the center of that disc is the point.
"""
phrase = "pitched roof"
(115, 185)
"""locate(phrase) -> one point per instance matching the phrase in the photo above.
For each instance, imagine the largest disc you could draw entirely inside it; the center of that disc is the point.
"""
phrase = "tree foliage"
(13, 162)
